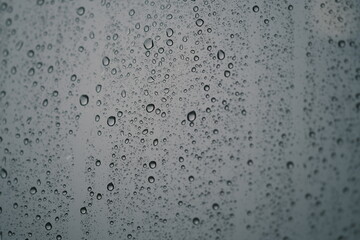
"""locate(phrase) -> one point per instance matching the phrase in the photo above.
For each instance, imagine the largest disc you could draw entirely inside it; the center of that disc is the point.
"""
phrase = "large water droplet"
(111, 121)
(152, 164)
(84, 100)
(196, 221)
(110, 186)
(191, 116)
(105, 61)
(80, 11)
(33, 190)
(150, 107)
(48, 226)
(3, 173)
(151, 179)
(220, 55)
(148, 44)
(83, 210)
(199, 22)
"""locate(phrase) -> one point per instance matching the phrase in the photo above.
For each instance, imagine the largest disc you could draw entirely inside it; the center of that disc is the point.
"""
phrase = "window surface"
(180, 119)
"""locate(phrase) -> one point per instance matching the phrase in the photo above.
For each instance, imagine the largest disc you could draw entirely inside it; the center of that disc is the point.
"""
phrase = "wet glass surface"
(180, 119)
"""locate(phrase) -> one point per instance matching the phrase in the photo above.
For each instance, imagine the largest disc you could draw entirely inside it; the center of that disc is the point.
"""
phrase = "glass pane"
(180, 119)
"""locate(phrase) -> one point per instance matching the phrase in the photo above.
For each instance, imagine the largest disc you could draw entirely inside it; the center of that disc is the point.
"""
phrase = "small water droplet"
(256, 8)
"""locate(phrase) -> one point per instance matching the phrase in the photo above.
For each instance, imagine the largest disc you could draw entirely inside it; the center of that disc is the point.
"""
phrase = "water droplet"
(84, 100)
(111, 121)
(83, 210)
(105, 61)
(152, 164)
(151, 179)
(215, 206)
(48, 226)
(199, 22)
(220, 55)
(3, 173)
(290, 165)
(191, 116)
(196, 221)
(123, 93)
(169, 32)
(131, 12)
(110, 186)
(80, 11)
(148, 44)
(98, 88)
(227, 73)
(191, 178)
(33, 190)
(256, 8)
(45, 102)
(341, 43)
(150, 107)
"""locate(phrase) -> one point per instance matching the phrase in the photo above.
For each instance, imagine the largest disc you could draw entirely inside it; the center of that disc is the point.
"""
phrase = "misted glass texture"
(180, 119)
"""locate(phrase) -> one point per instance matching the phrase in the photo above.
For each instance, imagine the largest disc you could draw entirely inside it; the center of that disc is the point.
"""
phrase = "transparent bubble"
(256, 8)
